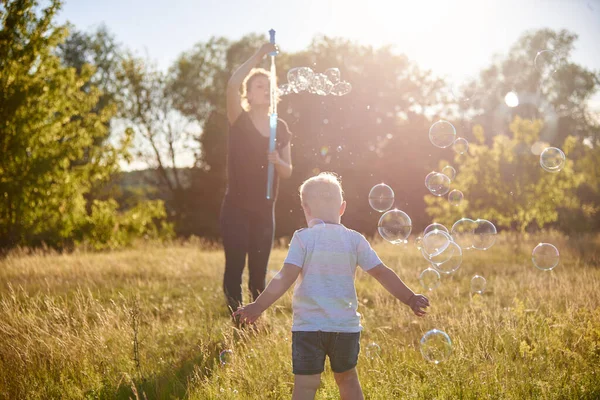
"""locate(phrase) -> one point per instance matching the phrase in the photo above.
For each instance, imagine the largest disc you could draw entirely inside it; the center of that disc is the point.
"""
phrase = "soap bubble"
(333, 74)
(372, 350)
(437, 183)
(449, 171)
(460, 145)
(226, 356)
(478, 284)
(320, 85)
(381, 197)
(430, 279)
(395, 226)
(285, 89)
(305, 79)
(484, 234)
(552, 159)
(449, 260)
(455, 197)
(462, 232)
(436, 346)
(547, 62)
(434, 245)
(434, 226)
(341, 88)
(442, 134)
(300, 78)
(545, 256)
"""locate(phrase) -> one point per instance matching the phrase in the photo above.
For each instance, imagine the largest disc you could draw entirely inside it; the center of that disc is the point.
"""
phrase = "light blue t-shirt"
(325, 296)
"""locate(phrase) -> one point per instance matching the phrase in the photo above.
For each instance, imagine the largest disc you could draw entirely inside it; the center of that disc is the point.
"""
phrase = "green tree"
(48, 124)
(504, 182)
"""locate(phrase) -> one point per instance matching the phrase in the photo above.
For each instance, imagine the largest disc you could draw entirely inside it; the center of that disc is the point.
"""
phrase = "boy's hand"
(248, 313)
(418, 303)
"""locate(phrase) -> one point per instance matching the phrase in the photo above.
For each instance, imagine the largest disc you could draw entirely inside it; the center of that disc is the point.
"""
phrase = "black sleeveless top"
(247, 164)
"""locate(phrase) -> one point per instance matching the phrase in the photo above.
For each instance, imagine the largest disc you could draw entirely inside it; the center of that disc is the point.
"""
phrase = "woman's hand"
(268, 48)
(275, 158)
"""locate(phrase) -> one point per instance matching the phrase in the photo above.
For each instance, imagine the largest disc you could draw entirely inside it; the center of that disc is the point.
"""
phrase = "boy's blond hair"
(322, 192)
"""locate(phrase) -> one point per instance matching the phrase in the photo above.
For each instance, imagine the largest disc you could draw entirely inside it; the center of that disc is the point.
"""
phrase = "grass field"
(150, 323)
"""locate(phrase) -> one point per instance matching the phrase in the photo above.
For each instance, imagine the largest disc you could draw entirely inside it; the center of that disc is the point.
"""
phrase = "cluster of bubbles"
(443, 248)
(438, 184)
(304, 79)
(394, 225)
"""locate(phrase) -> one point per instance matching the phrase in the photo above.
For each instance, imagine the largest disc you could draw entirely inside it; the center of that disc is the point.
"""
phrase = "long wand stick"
(273, 117)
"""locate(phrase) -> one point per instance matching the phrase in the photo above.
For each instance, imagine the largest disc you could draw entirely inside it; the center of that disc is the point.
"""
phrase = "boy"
(325, 320)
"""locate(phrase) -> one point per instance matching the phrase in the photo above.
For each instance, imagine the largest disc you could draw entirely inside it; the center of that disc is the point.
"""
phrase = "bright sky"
(452, 38)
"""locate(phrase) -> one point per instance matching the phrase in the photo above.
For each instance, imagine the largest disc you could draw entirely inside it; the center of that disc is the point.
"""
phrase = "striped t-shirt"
(325, 295)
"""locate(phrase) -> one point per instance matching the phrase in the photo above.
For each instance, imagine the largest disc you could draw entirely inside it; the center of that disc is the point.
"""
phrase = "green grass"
(151, 322)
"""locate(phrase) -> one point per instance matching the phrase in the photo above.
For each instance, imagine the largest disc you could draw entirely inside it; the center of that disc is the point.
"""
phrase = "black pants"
(245, 232)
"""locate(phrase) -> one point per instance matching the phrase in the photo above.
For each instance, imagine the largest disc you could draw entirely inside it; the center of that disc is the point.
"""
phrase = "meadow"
(150, 322)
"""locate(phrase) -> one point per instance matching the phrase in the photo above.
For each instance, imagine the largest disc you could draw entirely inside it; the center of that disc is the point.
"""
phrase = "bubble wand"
(273, 117)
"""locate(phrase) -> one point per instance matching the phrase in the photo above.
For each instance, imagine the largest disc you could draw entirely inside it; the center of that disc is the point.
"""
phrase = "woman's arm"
(234, 106)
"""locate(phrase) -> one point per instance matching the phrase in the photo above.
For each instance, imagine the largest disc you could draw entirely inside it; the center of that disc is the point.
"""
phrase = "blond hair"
(255, 72)
(322, 193)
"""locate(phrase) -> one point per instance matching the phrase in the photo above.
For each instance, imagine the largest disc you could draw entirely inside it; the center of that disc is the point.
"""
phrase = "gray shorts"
(310, 348)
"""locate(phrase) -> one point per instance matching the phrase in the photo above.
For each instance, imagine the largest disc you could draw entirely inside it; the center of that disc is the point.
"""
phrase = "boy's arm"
(278, 286)
(274, 290)
(393, 284)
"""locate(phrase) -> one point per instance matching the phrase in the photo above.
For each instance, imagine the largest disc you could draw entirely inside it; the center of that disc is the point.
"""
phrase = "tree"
(504, 182)
(560, 99)
(100, 50)
(162, 132)
(48, 124)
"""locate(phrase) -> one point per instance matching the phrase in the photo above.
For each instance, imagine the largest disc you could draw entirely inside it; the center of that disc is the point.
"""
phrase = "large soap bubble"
(442, 134)
(395, 226)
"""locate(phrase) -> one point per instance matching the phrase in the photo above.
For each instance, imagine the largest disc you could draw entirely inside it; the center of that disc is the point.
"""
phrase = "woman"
(247, 216)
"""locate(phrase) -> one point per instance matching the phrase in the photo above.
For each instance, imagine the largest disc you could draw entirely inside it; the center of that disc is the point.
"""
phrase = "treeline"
(74, 105)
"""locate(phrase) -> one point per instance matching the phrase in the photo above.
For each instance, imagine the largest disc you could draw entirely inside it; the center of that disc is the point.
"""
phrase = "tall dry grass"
(151, 322)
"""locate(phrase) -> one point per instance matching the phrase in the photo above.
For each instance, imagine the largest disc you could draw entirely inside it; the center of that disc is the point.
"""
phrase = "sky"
(455, 39)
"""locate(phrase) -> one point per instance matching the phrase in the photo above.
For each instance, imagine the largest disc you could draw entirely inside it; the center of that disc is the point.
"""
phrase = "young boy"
(325, 320)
